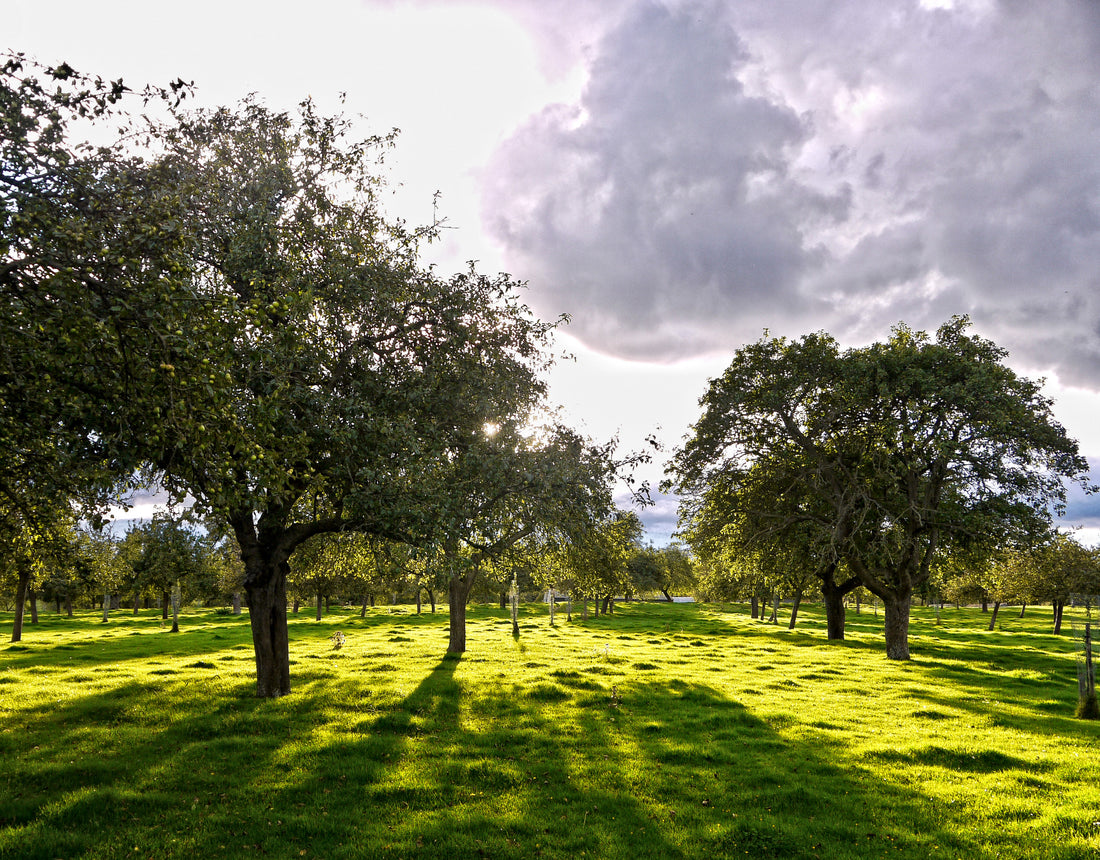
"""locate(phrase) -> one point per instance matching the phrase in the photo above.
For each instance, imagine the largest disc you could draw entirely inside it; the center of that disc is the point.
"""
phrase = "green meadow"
(663, 731)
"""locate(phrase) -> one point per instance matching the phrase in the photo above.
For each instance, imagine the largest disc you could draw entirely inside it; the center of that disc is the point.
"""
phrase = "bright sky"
(678, 176)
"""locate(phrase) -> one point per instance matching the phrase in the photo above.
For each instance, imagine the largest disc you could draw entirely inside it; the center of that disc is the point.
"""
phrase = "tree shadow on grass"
(611, 766)
(575, 765)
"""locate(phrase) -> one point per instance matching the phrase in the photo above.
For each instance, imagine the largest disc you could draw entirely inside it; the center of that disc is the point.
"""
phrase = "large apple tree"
(881, 456)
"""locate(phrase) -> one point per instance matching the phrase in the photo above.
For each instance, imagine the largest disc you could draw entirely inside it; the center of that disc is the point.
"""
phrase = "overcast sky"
(680, 176)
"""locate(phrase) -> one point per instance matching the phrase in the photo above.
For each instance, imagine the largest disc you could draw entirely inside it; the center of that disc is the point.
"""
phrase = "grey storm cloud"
(797, 166)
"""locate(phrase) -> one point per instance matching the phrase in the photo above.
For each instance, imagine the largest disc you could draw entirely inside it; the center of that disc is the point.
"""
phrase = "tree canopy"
(879, 456)
(223, 302)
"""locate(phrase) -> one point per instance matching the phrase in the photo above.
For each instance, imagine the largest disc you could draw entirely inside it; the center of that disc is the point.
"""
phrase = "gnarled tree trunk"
(20, 602)
(794, 608)
(896, 610)
(265, 594)
(458, 592)
(834, 610)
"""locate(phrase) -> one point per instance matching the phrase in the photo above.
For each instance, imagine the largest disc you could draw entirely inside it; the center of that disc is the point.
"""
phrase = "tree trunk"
(297, 605)
(137, 602)
(1023, 606)
(993, 617)
(32, 597)
(774, 618)
(265, 594)
(456, 603)
(1059, 605)
(106, 606)
(20, 602)
(668, 597)
(176, 608)
(504, 600)
(320, 601)
(794, 608)
(69, 605)
(834, 610)
(236, 603)
(584, 608)
(985, 603)
(431, 598)
(857, 601)
(754, 605)
(363, 610)
(164, 600)
(418, 600)
(897, 627)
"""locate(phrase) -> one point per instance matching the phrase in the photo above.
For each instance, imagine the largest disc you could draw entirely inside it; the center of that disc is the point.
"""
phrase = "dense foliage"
(878, 457)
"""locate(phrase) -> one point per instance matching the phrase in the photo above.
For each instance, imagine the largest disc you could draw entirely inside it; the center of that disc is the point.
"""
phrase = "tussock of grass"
(606, 738)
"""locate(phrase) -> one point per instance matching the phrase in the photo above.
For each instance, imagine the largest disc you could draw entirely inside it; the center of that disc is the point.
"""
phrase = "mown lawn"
(664, 731)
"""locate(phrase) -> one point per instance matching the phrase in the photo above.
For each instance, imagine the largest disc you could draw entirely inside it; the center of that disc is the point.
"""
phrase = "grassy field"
(664, 731)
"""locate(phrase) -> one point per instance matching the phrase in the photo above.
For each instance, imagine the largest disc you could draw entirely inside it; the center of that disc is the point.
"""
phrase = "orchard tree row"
(1057, 572)
(215, 301)
(168, 562)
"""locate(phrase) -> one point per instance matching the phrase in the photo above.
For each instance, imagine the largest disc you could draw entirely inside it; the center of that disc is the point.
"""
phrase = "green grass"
(664, 731)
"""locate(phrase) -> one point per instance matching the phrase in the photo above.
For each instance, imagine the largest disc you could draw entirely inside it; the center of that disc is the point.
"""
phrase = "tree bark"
(458, 593)
(504, 600)
(320, 601)
(164, 599)
(993, 617)
(774, 617)
(456, 603)
(1059, 605)
(834, 610)
(176, 609)
(32, 598)
(1023, 607)
(985, 603)
(20, 602)
(754, 605)
(668, 597)
(897, 627)
(431, 598)
(236, 603)
(137, 602)
(265, 594)
(68, 605)
(363, 610)
(794, 608)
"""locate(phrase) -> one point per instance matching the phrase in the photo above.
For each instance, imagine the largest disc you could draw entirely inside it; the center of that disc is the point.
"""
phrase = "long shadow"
(577, 765)
(607, 763)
